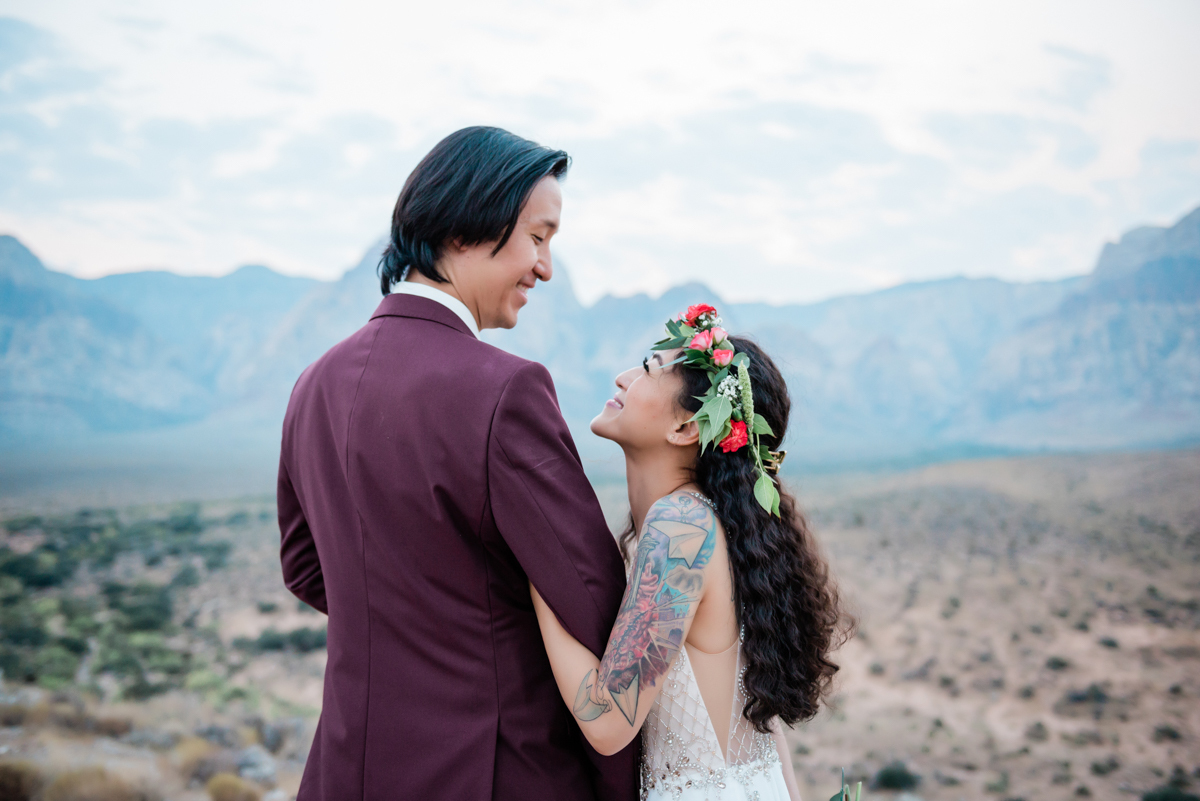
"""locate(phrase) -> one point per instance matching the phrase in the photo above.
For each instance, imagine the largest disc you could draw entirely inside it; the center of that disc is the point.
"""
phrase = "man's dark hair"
(469, 189)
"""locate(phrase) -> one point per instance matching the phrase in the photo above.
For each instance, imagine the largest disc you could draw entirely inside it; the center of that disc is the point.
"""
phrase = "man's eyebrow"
(549, 223)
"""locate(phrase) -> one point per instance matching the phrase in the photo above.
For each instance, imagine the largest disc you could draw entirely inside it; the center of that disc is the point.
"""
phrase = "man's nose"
(544, 269)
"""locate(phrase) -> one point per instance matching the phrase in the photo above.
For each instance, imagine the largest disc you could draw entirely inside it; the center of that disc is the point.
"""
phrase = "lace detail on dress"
(680, 750)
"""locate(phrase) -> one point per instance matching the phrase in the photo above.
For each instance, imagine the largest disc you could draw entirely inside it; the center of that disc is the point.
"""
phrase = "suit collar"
(420, 308)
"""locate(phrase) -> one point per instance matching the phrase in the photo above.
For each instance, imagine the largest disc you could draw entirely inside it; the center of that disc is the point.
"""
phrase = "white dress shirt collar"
(449, 301)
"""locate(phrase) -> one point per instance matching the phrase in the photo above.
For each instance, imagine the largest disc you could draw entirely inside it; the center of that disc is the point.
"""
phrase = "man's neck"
(416, 277)
(651, 476)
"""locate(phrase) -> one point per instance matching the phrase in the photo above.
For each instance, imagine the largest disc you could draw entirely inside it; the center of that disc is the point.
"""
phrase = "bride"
(729, 616)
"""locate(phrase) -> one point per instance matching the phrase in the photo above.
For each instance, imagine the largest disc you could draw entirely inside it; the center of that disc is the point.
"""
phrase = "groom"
(425, 479)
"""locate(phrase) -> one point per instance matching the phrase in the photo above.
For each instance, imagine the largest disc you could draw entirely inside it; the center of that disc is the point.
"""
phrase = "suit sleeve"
(297, 551)
(547, 512)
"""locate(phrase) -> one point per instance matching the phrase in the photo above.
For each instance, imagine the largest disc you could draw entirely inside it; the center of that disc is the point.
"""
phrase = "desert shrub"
(271, 640)
(1106, 766)
(305, 639)
(1165, 731)
(20, 625)
(90, 784)
(55, 666)
(188, 576)
(1057, 663)
(44, 566)
(1109, 642)
(228, 787)
(19, 781)
(215, 554)
(267, 607)
(895, 776)
(141, 689)
(302, 640)
(1037, 732)
(143, 607)
(1169, 793)
(22, 523)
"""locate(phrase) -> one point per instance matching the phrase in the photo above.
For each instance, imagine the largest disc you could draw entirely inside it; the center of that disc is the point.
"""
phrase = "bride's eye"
(646, 364)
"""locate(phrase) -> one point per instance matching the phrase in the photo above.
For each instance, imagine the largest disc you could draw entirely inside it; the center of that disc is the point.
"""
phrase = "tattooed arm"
(611, 697)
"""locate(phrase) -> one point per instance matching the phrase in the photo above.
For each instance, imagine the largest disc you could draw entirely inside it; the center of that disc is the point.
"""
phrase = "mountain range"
(153, 367)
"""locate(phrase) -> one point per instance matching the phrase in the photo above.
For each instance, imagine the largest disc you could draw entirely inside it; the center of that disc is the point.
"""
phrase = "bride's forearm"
(576, 672)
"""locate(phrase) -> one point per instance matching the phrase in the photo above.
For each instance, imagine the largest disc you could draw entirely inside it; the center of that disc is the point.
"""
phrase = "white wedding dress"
(682, 757)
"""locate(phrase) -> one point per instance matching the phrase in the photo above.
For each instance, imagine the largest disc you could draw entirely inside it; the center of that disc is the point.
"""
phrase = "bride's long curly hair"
(786, 601)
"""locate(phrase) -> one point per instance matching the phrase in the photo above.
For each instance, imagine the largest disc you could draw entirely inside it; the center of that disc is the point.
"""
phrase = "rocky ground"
(1029, 628)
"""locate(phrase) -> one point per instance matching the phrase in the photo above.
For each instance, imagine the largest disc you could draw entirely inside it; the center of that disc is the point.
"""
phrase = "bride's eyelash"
(646, 364)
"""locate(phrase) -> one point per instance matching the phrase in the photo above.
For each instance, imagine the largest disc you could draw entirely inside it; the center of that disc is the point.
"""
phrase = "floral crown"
(726, 417)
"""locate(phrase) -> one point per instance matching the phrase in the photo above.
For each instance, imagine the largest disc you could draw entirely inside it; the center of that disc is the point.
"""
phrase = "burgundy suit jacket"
(425, 478)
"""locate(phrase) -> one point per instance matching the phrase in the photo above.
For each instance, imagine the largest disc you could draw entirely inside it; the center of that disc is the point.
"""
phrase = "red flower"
(736, 439)
(694, 312)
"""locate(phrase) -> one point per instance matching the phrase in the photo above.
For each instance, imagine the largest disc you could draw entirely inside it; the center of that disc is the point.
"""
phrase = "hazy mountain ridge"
(918, 371)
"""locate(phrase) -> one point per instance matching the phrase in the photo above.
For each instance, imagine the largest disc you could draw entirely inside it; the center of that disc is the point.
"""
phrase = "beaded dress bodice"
(680, 749)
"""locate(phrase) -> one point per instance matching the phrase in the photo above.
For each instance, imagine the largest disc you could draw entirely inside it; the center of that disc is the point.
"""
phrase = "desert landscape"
(1029, 628)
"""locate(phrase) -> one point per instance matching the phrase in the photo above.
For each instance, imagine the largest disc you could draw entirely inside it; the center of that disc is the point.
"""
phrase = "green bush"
(55, 666)
(1169, 793)
(143, 607)
(895, 776)
(302, 640)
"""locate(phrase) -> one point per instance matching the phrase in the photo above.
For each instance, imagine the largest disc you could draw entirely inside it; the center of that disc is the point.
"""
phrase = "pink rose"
(718, 334)
(722, 357)
(702, 341)
(736, 439)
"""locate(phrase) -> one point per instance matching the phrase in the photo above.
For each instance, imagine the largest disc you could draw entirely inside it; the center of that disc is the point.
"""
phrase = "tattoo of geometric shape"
(626, 698)
(685, 540)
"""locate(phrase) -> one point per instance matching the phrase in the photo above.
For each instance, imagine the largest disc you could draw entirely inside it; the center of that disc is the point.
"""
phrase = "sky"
(779, 151)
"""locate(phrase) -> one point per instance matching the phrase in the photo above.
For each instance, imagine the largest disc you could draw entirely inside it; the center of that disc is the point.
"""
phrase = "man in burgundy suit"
(426, 478)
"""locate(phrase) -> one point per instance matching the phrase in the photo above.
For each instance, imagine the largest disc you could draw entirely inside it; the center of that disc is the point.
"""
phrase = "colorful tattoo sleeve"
(664, 588)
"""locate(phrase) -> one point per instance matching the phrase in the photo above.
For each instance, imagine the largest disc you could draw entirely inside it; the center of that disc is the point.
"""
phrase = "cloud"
(1083, 77)
(780, 152)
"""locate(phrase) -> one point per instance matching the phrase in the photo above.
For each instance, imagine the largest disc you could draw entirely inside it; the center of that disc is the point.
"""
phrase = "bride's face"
(644, 412)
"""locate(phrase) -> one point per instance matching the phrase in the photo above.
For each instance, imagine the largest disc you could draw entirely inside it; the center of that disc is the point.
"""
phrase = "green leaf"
(774, 500)
(741, 358)
(719, 410)
(764, 492)
(761, 426)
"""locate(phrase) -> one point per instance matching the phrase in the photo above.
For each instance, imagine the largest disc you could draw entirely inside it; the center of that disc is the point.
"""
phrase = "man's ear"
(685, 434)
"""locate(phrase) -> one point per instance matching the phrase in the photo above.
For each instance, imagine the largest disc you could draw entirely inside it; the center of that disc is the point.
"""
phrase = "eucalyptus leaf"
(741, 358)
(761, 426)
(764, 492)
(719, 410)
